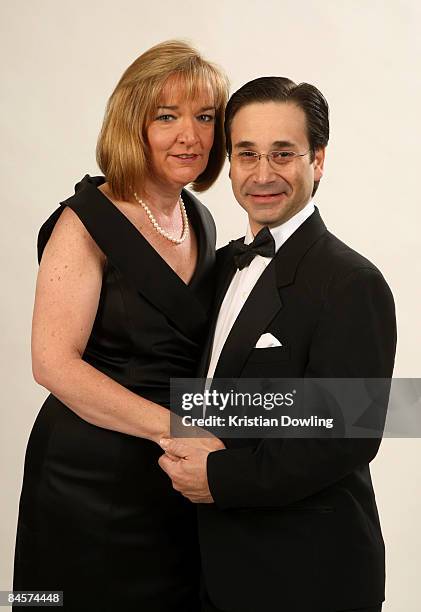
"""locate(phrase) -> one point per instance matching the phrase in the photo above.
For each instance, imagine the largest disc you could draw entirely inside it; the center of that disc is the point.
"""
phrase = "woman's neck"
(164, 200)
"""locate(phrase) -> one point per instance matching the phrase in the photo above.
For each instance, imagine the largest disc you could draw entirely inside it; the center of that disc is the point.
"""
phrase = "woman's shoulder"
(69, 220)
(85, 194)
(69, 236)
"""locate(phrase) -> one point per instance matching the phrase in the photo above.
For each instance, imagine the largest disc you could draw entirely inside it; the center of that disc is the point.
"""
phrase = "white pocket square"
(267, 341)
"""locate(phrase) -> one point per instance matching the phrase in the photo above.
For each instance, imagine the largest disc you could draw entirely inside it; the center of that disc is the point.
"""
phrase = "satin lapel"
(264, 301)
(291, 253)
(225, 273)
(137, 260)
(262, 305)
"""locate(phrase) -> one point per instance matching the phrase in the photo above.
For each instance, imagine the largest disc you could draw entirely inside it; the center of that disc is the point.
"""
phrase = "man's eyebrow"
(283, 143)
(277, 144)
(244, 144)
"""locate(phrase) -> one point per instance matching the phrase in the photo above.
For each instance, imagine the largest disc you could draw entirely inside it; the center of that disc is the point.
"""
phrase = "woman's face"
(180, 137)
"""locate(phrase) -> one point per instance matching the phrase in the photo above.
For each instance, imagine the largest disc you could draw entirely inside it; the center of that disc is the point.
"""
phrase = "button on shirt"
(244, 281)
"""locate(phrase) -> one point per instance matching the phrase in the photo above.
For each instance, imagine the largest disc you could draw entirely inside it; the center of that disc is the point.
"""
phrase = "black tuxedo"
(295, 526)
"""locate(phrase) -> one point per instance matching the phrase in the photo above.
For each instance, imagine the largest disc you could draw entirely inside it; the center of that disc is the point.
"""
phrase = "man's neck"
(282, 231)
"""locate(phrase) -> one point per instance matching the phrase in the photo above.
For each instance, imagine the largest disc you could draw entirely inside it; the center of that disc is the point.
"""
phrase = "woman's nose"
(188, 132)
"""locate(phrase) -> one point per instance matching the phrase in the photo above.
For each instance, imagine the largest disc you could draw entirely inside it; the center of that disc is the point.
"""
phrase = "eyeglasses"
(250, 159)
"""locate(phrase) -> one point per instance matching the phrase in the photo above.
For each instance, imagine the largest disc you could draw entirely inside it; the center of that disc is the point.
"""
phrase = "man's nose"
(263, 172)
(188, 132)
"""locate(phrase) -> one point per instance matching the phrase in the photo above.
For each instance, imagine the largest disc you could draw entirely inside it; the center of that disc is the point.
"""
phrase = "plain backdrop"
(61, 60)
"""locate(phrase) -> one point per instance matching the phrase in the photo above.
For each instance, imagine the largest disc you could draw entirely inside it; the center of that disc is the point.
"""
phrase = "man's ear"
(318, 163)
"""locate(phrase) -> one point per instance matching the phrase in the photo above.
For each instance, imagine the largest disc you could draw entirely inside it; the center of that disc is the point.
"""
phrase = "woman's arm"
(66, 301)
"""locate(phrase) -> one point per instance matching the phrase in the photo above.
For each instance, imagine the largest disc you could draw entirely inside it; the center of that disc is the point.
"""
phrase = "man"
(288, 524)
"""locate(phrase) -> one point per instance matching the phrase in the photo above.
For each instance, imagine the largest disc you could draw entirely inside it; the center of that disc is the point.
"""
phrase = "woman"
(121, 307)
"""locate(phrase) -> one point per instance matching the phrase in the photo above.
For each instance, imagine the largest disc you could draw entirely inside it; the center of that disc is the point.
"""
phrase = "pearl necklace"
(160, 229)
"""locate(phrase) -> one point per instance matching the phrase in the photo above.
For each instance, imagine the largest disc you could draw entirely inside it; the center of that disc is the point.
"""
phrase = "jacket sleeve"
(355, 337)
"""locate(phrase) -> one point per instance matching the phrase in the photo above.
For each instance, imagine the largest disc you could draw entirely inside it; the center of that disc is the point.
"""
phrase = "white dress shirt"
(244, 281)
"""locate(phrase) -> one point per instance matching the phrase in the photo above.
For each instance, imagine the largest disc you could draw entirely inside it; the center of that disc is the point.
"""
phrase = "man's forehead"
(269, 121)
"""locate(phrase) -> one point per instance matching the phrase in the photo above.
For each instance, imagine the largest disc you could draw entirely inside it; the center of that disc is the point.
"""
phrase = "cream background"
(60, 62)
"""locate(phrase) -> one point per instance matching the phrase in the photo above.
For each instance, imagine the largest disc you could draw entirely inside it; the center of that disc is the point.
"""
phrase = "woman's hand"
(186, 465)
(200, 439)
(210, 443)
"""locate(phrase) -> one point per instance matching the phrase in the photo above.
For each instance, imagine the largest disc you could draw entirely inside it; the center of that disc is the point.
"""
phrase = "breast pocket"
(269, 355)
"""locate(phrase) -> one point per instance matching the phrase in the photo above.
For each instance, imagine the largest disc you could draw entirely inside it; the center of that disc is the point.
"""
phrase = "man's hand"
(186, 466)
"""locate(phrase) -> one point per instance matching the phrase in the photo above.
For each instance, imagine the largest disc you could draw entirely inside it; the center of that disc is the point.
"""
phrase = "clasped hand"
(185, 462)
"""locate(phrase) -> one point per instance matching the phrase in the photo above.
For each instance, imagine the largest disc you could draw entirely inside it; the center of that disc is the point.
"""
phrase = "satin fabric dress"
(98, 518)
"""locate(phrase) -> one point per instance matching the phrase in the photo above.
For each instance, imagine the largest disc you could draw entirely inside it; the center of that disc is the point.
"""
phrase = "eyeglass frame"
(258, 156)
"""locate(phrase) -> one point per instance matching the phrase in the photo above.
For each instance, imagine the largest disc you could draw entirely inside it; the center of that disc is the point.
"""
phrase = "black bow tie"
(263, 244)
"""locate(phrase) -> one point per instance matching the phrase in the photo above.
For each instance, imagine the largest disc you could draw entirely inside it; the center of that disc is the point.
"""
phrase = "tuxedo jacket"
(295, 525)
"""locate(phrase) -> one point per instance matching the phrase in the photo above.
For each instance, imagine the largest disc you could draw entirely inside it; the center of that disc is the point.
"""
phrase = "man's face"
(270, 193)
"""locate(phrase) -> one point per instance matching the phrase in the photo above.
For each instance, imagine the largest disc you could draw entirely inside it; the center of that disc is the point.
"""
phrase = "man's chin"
(269, 218)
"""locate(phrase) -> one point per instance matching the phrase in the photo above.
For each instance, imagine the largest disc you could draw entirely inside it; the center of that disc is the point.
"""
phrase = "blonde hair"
(122, 143)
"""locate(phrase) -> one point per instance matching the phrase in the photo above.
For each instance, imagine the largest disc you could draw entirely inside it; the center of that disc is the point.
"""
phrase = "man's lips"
(267, 197)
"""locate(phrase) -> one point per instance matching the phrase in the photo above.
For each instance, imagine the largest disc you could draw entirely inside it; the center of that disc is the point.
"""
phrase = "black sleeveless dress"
(98, 518)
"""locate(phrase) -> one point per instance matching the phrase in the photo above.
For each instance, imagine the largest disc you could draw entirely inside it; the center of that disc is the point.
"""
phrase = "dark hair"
(280, 89)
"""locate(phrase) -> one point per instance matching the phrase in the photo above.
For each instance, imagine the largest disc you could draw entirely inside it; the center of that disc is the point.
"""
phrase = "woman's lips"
(186, 158)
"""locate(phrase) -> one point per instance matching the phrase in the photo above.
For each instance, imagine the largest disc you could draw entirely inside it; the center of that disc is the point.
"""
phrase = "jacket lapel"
(264, 301)
(262, 305)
